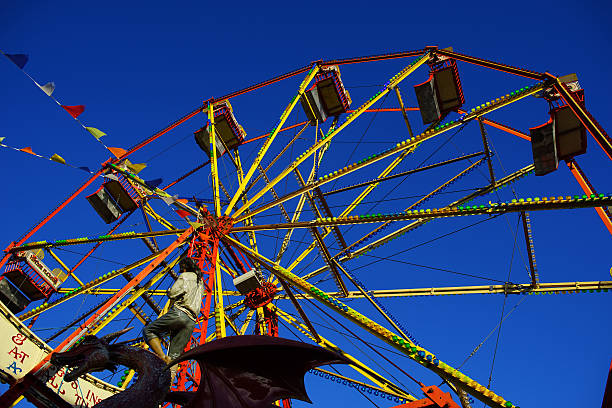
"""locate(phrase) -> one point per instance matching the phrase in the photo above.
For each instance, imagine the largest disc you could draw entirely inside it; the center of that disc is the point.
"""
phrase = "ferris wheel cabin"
(27, 278)
(230, 133)
(442, 92)
(563, 137)
(327, 97)
(113, 198)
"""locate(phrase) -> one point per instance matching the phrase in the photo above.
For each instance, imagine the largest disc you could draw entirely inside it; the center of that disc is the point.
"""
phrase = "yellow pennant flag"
(97, 133)
(195, 225)
(135, 167)
(57, 158)
(2, 139)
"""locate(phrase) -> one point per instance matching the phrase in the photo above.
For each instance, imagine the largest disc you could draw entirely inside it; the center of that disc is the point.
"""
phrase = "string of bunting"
(55, 158)
(20, 60)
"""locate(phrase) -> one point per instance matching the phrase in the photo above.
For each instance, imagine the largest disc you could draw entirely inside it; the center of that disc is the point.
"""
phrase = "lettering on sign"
(18, 355)
(42, 269)
(16, 370)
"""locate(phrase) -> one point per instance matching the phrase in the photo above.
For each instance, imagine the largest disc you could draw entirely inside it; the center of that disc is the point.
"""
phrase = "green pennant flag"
(57, 158)
(95, 132)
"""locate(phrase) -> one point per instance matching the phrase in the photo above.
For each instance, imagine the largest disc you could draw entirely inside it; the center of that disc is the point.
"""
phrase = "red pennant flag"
(183, 213)
(27, 150)
(117, 151)
(75, 110)
(182, 200)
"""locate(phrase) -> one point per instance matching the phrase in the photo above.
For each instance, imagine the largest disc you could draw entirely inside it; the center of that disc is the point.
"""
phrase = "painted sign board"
(21, 350)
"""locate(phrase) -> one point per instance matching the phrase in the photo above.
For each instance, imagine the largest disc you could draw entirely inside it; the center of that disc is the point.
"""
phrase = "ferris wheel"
(297, 229)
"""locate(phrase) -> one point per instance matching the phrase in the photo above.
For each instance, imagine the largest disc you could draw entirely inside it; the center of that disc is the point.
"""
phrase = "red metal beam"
(588, 190)
(268, 134)
(500, 126)
(589, 122)
(491, 64)
(160, 133)
(371, 58)
(48, 217)
(16, 390)
(264, 83)
(607, 399)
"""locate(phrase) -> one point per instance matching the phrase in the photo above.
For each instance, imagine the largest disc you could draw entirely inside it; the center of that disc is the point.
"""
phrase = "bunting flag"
(135, 167)
(182, 200)
(112, 177)
(117, 151)
(18, 59)
(195, 225)
(169, 200)
(75, 110)
(153, 184)
(97, 133)
(57, 158)
(47, 88)
(183, 213)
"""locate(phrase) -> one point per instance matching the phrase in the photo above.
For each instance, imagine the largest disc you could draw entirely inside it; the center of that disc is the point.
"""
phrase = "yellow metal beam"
(416, 353)
(88, 286)
(213, 158)
(63, 265)
(311, 74)
(219, 311)
(405, 145)
(350, 118)
(385, 384)
(131, 299)
(552, 288)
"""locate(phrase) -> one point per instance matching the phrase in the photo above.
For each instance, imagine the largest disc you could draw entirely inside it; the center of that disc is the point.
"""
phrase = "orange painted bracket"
(588, 189)
(434, 398)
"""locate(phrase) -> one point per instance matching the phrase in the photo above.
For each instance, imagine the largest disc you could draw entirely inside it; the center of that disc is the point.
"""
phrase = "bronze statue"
(237, 371)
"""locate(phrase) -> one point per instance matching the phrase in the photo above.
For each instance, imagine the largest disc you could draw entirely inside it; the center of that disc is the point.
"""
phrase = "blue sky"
(139, 66)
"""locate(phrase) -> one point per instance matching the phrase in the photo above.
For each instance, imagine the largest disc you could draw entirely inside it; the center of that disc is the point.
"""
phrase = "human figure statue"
(179, 322)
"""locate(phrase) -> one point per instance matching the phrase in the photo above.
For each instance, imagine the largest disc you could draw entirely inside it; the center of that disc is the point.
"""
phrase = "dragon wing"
(253, 371)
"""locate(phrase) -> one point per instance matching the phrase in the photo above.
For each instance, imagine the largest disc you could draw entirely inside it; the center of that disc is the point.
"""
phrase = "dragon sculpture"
(237, 372)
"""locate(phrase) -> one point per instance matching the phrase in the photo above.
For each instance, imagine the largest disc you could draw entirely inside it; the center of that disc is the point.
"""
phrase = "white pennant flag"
(169, 200)
(48, 88)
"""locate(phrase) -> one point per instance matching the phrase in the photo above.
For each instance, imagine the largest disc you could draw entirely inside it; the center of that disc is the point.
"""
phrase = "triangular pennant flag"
(48, 88)
(168, 200)
(112, 177)
(135, 167)
(183, 213)
(2, 139)
(27, 150)
(182, 200)
(84, 169)
(18, 59)
(75, 110)
(57, 158)
(153, 183)
(195, 225)
(117, 151)
(97, 133)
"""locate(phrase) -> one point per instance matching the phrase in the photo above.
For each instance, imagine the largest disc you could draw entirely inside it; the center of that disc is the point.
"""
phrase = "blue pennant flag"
(18, 59)
(85, 169)
(153, 183)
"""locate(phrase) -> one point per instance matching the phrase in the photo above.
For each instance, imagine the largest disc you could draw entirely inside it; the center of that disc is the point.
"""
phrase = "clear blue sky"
(138, 66)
